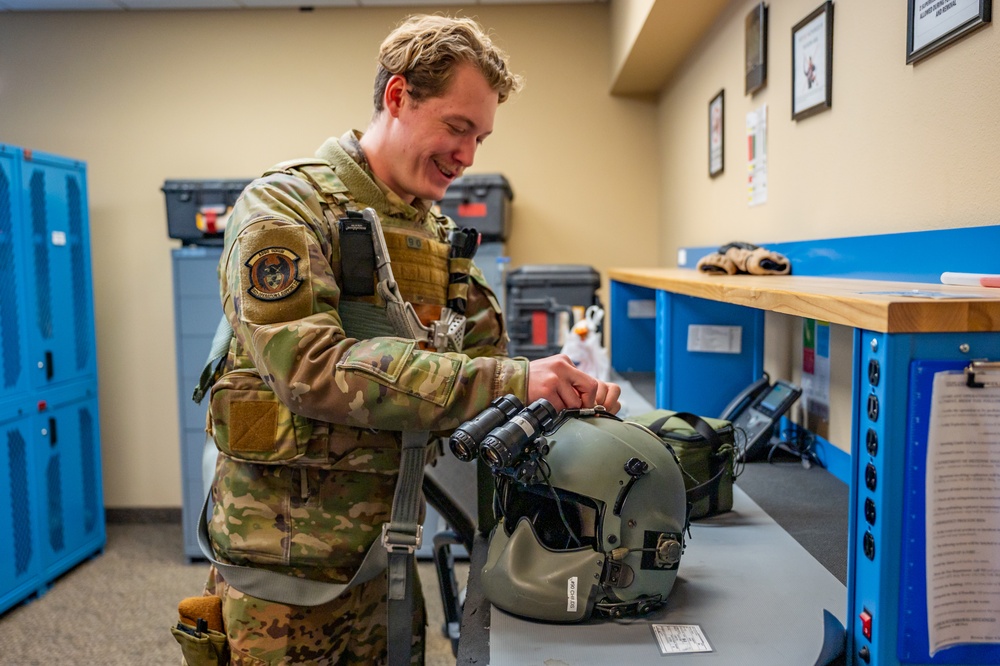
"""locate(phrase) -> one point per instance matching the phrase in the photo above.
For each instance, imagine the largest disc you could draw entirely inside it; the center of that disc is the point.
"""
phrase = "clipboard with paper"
(950, 568)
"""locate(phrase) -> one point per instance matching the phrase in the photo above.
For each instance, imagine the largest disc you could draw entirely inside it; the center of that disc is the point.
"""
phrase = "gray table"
(757, 594)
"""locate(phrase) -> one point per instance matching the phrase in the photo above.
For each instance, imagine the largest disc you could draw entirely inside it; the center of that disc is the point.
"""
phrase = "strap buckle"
(448, 333)
(400, 540)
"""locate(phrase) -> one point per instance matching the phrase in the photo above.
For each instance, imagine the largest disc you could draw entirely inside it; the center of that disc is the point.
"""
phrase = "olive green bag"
(706, 451)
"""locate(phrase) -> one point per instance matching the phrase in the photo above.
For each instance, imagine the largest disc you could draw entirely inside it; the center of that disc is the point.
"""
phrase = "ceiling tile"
(179, 4)
(59, 5)
(410, 3)
(123, 5)
(266, 4)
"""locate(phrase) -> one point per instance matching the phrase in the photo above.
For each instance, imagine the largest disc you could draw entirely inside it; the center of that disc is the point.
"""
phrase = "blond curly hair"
(425, 49)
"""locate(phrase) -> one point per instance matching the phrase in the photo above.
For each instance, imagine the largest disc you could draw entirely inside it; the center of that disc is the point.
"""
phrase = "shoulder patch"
(275, 280)
(274, 273)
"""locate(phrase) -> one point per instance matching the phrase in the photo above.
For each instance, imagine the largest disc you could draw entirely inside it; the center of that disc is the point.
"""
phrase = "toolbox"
(543, 302)
(197, 210)
(481, 201)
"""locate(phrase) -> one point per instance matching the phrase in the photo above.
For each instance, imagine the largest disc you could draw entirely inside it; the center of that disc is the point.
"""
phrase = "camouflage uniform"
(307, 415)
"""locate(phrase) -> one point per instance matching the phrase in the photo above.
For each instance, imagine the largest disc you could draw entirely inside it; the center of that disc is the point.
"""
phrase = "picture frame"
(716, 134)
(812, 62)
(755, 26)
(931, 25)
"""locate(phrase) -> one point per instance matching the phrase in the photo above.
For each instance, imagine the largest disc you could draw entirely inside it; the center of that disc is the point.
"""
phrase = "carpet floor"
(117, 608)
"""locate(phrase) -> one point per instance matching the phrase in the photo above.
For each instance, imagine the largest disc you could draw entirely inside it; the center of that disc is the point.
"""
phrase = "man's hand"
(556, 379)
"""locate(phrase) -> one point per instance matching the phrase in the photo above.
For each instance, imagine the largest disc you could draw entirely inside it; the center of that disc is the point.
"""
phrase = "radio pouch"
(200, 632)
(201, 648)
(706, 451)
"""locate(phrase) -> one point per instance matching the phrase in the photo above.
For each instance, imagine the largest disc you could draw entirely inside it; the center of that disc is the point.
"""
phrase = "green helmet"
(599, 528)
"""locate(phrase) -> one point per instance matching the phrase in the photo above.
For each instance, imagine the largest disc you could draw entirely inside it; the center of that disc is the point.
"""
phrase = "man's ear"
(395, 94)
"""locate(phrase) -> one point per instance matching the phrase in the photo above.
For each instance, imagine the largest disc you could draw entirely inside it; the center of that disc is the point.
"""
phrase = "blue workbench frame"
(703, 383)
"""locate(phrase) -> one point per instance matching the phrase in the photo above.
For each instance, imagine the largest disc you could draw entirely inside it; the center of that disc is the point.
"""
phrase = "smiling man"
(319, 388)
(419, 145)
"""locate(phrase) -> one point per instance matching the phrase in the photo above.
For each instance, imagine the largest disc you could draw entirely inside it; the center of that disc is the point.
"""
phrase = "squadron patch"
(274, 273)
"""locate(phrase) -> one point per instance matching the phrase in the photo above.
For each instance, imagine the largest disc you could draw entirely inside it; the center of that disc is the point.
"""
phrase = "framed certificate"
(812, 63)
(756, 48)
(933, 24)
(716, 137)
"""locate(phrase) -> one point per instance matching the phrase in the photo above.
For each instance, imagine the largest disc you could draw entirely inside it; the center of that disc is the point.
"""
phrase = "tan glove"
(208, 608)
(749, 258)
(716, 264)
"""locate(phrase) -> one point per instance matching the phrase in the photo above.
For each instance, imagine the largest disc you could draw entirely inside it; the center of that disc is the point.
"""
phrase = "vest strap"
(282, 588)
(365, 320)
(402, 534)
(216, 354)
(317, 172)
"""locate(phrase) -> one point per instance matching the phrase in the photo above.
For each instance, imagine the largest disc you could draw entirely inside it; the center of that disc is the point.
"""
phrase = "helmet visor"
(562, 520)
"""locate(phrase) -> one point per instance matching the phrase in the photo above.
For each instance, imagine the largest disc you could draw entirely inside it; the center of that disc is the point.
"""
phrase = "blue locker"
(13, 350)
(67, 440)
(20, 558)
(52, 511)
(60, 312)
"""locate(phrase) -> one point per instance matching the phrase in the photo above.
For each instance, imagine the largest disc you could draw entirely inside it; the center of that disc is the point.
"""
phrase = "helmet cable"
(543, 468)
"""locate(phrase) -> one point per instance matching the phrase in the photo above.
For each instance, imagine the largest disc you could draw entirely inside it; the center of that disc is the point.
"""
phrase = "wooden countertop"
(851, 302)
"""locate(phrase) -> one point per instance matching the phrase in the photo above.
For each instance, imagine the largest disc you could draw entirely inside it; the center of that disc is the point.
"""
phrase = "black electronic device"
(756, 411)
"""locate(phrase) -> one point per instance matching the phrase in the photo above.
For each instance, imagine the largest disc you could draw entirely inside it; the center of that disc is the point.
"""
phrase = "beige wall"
(627, 20)
(904, 147)
(649, 38)
(147, 96)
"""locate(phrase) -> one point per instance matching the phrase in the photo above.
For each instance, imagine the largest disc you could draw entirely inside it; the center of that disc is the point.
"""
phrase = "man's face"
(433, 141)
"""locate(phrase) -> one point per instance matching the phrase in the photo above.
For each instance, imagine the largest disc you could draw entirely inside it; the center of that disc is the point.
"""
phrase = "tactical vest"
(312, 497)
(420, 257)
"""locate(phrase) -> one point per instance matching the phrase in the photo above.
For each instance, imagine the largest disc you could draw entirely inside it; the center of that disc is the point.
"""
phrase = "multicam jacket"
(306, 417)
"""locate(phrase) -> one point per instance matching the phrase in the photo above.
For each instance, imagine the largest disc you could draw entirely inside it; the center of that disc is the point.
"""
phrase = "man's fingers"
(569, 396)
(556, 379)
(612, 400)
(583, 385)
